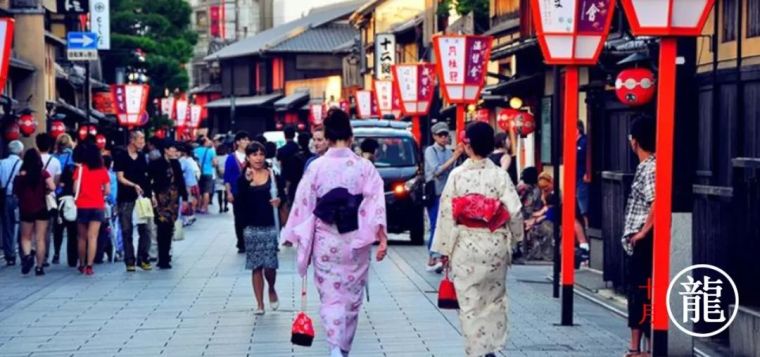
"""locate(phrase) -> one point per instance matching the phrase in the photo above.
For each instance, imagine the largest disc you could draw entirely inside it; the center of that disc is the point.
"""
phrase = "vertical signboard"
(385, 55)
(215, 15)
(6, 35)
(101, 22)
(364, 99)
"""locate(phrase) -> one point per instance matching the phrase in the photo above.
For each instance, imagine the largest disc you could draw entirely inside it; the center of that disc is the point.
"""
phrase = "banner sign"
(169, 107)
(414, 83)
(129, 103)
(365, 104)
(6, 35)
(385, 55)
(182, 112)
(215, 15)
(388, 99)
(101, 22)
(462, 62)
(72, 7)
(195, 116)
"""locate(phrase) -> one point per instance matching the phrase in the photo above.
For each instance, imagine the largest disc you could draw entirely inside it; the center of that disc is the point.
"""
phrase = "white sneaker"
(435, 267)
(259, 312)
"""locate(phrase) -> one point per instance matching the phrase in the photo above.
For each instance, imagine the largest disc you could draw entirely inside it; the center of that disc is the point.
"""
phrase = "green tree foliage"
(479, 8)
(161, 29)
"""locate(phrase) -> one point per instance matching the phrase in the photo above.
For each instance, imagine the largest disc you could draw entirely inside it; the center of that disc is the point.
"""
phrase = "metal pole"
(569, 160)
(666, 93)
(556, 144)
(88, 91)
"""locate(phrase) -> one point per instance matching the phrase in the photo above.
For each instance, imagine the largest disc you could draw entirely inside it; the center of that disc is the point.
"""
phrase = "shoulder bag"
(4, 188)
(67, 205)
(50, 201)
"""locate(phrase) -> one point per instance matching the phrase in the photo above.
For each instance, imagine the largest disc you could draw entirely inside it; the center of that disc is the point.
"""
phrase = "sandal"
(633, 353)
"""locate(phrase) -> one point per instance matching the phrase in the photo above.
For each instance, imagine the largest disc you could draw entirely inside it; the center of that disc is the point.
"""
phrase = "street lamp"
(570, 33)
(666, 18)
(414, 83)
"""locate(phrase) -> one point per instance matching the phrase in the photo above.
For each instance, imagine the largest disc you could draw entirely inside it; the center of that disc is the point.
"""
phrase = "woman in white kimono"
(337, 214)
(478, 246)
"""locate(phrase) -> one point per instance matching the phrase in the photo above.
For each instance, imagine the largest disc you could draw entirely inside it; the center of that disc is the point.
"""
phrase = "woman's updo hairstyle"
(337, 126)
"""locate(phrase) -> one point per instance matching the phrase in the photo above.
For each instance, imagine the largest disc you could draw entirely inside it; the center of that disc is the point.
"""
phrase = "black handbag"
(429, 194)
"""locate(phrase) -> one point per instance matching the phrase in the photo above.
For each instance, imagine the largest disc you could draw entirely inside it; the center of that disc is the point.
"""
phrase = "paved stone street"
(204, 307)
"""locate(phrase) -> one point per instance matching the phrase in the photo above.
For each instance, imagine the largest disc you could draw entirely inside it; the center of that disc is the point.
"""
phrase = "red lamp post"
(461, 64)
(182, 116)
(668, 19)
(129, 103)
(414, 83)
(570, 33)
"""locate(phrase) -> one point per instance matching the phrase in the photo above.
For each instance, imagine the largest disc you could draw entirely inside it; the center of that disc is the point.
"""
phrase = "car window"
(392, 152)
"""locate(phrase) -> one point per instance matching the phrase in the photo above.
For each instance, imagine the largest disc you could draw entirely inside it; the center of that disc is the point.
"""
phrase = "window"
(201, 20)
(729, 16)
(392, 152)
(753, 18)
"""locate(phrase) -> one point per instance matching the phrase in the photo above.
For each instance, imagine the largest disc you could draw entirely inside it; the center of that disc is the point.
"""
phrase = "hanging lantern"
(301, 126)
(278, 126)
(82, 132)
(503, 120)
(57, 128)
(521, 122)
(129, 103)
(92, 130)
(12, 132)
(317, 114)
(100, 141)
(635, 86)
(27, 125)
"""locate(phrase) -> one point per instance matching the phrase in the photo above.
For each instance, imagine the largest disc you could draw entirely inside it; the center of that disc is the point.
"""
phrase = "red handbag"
(302, 333)
(447, 295)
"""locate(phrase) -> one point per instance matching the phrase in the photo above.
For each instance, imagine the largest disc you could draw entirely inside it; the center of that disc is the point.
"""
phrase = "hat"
(439, 128)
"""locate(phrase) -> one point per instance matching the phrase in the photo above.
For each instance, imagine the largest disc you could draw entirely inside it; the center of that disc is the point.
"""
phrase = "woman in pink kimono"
(338, 213)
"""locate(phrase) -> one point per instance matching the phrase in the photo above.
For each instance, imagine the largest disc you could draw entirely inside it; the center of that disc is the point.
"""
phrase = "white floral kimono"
(479, 257)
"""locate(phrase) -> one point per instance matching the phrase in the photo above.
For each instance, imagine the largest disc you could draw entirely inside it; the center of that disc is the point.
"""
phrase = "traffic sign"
(82, 55)
(82, 41)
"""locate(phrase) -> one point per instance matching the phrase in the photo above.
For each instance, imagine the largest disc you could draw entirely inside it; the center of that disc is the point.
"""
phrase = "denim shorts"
(87, 215)
(582, 196)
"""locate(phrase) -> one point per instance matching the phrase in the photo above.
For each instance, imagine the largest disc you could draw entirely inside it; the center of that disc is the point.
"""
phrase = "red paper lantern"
(503, 120)
(57, 128)
(301, 126)
(12, 132)
(87, 130)
(92, 130)
(635, 86)
(521, 122)
(278, 126)
(100, 141)
(160, 133)
(27, 125)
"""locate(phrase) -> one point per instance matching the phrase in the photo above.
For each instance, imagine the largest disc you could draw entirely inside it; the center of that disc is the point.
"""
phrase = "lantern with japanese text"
(520, 122)
(388, 99)
(182, 112)
(168, 107)
(414, 84)
(635, 86)
(195, 116)
(503, 120)
(27, 125)
(12, 132)
(365, 104)
(570, 33)
(461, 65)
(57, 128)
(317, 114)
(668, 19)
(130, 101)
(7, 25)
(100, 141)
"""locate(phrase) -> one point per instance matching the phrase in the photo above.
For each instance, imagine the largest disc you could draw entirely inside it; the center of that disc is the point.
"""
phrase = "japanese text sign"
(388, 101)
(667, 17)
(572, 32)
(168, 107)
(365, 104)
(414, 83)
(317, 114)
(385, 55)
(195, 115)
(462, 62)
(129, 103)
(182, 112)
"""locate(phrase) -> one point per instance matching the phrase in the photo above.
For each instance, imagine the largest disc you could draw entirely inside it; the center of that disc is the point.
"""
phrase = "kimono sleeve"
(446, 231)
(301, 224)
(372, 213)
(511, 201)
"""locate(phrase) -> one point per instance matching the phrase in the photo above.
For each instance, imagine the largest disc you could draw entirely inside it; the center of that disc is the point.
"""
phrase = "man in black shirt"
(284, 154)
(295, 166)
(131, 169)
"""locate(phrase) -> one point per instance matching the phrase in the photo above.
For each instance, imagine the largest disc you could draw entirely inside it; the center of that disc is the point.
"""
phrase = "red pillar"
(416, 131)
(569, 159)
(460, 120)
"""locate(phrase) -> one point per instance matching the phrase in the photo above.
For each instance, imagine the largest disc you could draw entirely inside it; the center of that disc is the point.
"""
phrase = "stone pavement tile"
(183, 352)
(226, 349)
(139, 352)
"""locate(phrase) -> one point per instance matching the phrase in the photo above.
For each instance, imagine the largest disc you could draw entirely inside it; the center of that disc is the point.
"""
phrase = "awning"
(95, 116)
(514, 84)
(211, 88)
(21, 64)
(252, 101)
(409, 25)
(292, 101)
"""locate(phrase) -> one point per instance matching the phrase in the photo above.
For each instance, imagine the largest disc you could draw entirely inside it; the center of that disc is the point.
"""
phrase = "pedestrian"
(582, 180)
(318, 143)
(221, 192)
(530, 197)
(284, 154)
(478, 257)
(64, 152)
(638, 232)
(232, 170)
(340, 181)
(206, 155)
(296, 164)
(191, 172)
(131, 167)
(368, 149)
(255, 189)
(9, 169)
(503, 155)
(51, 164)
(439, 161)
(168, 187)
(91, 186)
(30, 186)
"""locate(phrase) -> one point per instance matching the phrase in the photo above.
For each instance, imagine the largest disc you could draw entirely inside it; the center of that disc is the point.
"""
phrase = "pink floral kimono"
(341, 261)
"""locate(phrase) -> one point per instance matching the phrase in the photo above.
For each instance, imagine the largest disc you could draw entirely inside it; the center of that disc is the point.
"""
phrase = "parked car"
(398, 160)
